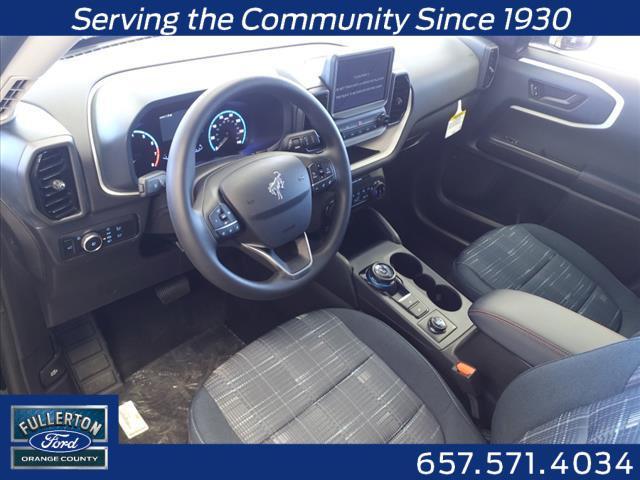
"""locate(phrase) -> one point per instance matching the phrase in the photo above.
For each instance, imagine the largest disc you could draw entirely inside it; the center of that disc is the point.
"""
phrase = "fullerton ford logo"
(60, 441)
(55, 436)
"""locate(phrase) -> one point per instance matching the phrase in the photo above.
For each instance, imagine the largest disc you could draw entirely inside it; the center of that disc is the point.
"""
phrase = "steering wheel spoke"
(294, 265)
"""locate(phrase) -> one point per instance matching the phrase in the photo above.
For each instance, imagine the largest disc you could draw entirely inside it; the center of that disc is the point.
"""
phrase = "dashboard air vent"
(492, 64)
(11, 97)
(53, 183)
(399, 97)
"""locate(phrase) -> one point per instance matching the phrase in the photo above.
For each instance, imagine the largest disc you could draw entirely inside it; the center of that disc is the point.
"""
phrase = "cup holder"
(426, 283)
(443, 296)
(406, 264)
(446, 298)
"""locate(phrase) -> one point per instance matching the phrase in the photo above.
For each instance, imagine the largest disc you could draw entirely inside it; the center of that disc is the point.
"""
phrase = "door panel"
(554, 141)
(561, 95)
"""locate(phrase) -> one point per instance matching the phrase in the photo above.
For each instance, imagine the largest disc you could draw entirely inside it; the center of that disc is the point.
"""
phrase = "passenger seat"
(534, 259)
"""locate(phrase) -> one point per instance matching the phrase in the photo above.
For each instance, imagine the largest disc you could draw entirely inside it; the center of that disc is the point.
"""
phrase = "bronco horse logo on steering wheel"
(276, 185)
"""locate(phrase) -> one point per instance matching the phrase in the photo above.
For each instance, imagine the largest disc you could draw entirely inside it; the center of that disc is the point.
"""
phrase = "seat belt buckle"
(468, 382)
(465, 370)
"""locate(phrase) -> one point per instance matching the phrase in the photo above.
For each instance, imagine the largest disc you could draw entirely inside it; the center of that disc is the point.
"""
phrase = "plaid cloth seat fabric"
(613, 420)
(340, 376)
(312, 381)
(513, 258)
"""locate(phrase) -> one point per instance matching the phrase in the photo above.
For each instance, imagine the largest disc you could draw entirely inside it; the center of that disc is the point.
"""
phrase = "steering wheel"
(260, 203)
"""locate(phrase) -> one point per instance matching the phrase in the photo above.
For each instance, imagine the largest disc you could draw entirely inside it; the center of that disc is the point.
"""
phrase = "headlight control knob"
(91, 242)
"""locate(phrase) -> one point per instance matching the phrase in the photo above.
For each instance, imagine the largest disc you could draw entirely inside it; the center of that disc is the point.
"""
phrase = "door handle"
(568, 103)
(555, 96)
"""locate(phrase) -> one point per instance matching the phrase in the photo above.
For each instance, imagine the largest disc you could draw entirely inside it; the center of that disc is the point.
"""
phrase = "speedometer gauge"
(227, 132)
(145, 152)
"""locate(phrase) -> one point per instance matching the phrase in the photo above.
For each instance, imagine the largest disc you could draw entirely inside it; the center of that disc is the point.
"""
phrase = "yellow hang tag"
(456, 121)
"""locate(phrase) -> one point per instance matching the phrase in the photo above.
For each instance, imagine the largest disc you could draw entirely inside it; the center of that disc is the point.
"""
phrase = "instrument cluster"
(244, 126)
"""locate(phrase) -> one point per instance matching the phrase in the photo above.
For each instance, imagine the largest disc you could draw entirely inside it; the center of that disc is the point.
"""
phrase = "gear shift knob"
(382, 277)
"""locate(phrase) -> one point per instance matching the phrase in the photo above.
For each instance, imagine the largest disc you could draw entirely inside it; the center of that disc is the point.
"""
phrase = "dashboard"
(109, 116)
(356, 85)
(245, 126)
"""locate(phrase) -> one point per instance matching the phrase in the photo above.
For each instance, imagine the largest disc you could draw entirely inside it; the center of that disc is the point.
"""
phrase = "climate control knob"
(91, 242)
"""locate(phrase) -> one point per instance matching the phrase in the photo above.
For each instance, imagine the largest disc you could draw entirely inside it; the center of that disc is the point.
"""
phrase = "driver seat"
(341, 376)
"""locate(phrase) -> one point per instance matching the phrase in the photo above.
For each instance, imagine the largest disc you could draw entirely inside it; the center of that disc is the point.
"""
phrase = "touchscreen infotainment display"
(360, 79)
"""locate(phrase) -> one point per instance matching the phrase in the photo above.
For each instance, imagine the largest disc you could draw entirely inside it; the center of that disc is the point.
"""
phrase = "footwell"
(163, 389)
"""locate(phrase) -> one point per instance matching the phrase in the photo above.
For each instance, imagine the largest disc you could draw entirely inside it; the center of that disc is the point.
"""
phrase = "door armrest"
(535, 329)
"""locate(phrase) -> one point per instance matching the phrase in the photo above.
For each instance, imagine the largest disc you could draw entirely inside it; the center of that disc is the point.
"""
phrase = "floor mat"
(139, 328)
(162, 390)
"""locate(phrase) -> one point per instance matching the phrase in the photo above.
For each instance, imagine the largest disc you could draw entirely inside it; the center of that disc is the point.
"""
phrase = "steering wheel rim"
(189, 210)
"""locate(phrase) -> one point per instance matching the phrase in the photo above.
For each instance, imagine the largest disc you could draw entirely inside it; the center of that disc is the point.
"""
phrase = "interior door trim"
(609, 121)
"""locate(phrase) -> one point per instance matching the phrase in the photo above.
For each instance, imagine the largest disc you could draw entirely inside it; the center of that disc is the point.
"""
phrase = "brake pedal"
(173, 289)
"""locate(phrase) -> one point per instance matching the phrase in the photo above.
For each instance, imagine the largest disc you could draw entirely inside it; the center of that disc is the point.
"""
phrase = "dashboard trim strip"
(105, 188)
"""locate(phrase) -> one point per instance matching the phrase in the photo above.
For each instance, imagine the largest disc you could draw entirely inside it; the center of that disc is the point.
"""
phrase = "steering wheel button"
(215, 219)
(228, 230)
(221, 216)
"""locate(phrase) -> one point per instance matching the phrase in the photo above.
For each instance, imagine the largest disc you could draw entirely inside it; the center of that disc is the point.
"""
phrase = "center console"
(392, 284)
(394, 281)
(479, 348)
(378, 275)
